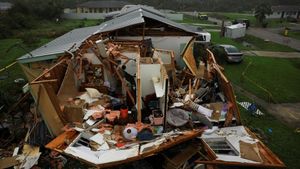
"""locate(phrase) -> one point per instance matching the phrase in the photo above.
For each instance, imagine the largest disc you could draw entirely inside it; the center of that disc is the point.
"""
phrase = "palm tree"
(261, 11)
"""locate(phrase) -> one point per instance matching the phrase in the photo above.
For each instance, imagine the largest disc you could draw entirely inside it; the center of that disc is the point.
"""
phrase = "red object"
(124, 113)
(120, 145)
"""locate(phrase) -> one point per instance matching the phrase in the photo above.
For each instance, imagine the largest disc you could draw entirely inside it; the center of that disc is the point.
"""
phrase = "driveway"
(274, 37)
(267, 35)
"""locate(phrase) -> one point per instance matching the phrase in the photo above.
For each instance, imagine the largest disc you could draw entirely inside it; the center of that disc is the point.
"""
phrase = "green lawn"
(43, 33)
(232, 16)
(278, 23)
(229, 16)
(260, 44)
(282, 140)
(293, 34)
(217, 39)
(278, 76)
(272, 23)
(7, 57)
(50, 30)
(256, 43)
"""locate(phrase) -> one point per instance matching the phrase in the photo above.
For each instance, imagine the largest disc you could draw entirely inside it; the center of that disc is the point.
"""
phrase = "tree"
(46, 9)
(261, 11)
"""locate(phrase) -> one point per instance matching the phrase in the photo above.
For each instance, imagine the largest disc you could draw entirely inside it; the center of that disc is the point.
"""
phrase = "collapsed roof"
(139, 18)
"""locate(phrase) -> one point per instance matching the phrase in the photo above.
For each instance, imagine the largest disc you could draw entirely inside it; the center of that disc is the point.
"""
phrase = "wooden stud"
(138, 88)
(124, 85)
(43, 81)
(40, 76)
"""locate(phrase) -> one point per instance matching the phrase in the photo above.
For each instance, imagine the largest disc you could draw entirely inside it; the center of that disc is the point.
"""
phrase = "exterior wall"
(47, 106)
(69, 10)
(175, 43)
(274, 15)
(176, 17)
(147, 71)
(277, 15)
(96, 10)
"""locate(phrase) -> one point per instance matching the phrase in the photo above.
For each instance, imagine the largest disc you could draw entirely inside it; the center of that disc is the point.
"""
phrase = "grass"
(229, 16)
(196, 22)
(283, 141)
(293, 34)
(256, 43)
(47, 29)
(45, 32)
(7, 57)
(217, 39)
(272, 23)
(278, 76)
(8, 76)
(260, 44)
(232, 16)
(276, 23)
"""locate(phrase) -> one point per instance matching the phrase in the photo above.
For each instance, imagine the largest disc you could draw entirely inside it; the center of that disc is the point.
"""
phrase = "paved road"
(272, 54)
(218, 21)
(274, 37)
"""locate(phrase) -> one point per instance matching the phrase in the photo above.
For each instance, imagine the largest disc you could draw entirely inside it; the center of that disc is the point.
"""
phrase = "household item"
(73, 111)
(157, 117)
(130, 133)
(199, 108)
(145, 134)
(124, 112)
(177, 117)
(132, 115)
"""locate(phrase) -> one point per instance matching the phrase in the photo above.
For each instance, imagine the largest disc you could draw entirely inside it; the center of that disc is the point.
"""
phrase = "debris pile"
(113, 97)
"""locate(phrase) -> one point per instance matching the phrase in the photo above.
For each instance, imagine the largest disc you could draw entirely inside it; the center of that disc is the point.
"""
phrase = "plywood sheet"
(250, 151)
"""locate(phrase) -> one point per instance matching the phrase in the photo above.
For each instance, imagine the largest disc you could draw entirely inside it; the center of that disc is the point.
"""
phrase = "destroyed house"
(133, 87)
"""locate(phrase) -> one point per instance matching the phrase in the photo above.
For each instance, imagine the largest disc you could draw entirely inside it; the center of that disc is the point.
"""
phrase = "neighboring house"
(100, 6)
(284, 11)
(129, 8)
(4, 6)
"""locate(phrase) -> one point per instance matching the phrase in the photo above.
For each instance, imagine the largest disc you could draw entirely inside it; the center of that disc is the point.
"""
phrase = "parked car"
(226, 53)
(203, 17)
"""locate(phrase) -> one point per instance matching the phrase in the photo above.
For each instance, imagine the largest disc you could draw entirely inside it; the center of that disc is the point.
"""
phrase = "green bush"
(265, 24)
